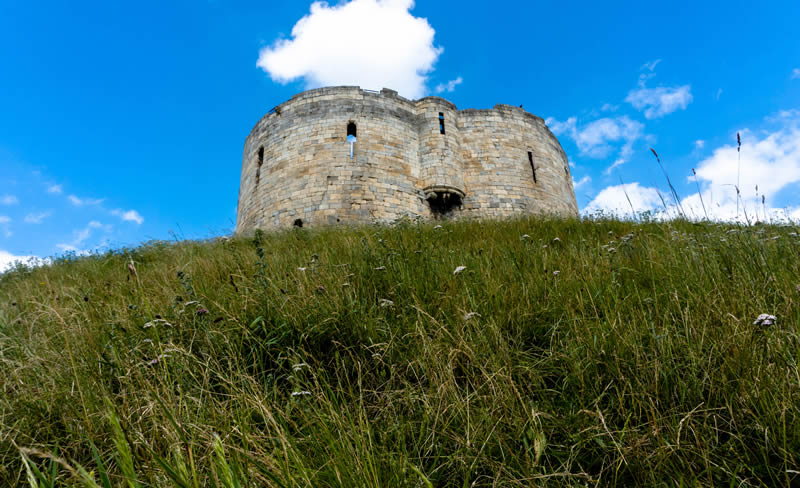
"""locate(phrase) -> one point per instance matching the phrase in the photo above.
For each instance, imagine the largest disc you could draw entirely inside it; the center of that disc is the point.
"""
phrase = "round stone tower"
(346, 155)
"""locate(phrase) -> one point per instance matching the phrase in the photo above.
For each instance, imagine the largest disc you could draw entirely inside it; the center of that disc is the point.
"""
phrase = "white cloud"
(128, 215)
(719, 93)
(770, 160)
(79, 236)
(55, 189)
(449, 86)
(372, 43)
(594, 139)
(651, 65)
(79, 202)
(660, 101)
(699, 144)
(796, 74)
(613, 200)
(607, 107)
(9, 200)
(619, 162)
(36, 218)
(583, 181)
(7, 260)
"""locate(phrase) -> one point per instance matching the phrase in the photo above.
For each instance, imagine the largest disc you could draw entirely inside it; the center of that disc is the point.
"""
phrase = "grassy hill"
(514, 353)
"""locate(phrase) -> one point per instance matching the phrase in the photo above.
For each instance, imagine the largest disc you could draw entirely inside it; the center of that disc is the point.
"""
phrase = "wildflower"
(525, 236)
(556, 240)
(301, 269)
(437, 227)
(459, 269)
(471, 315)
(155, 322)
(201, 311)
(384, 302)
(300, 393)
(611, 250)
(157, 360)
(765, 320)
(556, 272)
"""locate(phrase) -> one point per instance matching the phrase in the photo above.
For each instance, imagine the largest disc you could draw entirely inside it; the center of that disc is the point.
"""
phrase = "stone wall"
(297, 165)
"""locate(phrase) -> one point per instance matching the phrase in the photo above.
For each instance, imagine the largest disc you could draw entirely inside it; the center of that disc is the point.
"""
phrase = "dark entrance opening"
(443, 203)
(298, 222)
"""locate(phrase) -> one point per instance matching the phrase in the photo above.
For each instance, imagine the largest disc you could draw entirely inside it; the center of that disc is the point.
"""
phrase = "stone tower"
(347, 155)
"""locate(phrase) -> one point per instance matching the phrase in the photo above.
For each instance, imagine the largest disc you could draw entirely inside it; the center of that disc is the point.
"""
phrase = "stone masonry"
(422, 158)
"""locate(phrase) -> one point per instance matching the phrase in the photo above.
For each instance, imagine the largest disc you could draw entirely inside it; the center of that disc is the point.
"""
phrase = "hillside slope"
(512, 353)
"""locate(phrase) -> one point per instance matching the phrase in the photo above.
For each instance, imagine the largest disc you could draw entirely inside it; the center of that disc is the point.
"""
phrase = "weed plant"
(564, 353)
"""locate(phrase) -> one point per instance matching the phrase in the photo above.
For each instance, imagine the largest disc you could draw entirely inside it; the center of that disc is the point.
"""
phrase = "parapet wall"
(297, 165)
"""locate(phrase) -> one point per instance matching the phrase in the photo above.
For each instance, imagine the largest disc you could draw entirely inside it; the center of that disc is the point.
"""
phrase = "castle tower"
(346, 155)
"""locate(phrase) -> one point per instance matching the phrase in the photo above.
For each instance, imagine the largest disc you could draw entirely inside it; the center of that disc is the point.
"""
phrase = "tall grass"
(565, 353)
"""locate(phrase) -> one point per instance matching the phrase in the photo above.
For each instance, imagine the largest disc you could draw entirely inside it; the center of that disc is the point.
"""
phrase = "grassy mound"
(512, 353)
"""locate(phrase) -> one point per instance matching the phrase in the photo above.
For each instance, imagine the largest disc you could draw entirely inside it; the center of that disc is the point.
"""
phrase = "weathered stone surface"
(480, 166)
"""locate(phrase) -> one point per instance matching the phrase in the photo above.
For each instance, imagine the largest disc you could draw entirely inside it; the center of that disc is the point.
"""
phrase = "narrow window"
(351, 136)
(260, 162)
(566, 170)
(533, 167)
(441, 122)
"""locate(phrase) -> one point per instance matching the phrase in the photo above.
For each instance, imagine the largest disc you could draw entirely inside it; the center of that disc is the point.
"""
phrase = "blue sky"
(121, 123)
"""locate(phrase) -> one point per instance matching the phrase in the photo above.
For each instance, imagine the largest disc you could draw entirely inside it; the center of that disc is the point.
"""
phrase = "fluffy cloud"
(128, 215)
(328, 47)
(615, 200)
(36, 218)
(660, 101)
(796, 74)
(449, 86)
(55, 189)
(9, 200)
(770, 164)
(770, 160)
(7, 260)
(595, 138)
(699, 144)
(80, 202)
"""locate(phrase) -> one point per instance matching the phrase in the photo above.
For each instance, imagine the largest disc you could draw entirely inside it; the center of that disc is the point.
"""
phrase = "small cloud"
(9, 200)
(796, 74)
(80, 202)
(719, 94)
(449, 86)
(36, 218)
(79, 236)
(55, 189)
(619, 162)
(651, 65)
(607, 107)
(699, 144)
(660, 101)
(583, 181)
(4, 219)
(128, 215)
